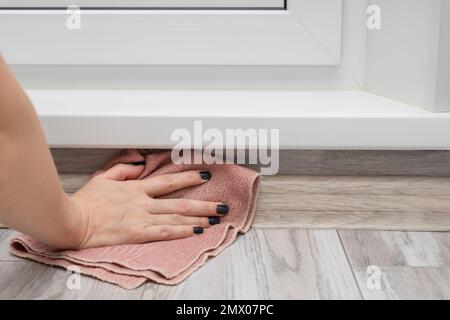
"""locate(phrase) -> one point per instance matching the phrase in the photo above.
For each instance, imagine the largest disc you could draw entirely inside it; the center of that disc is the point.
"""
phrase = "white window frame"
(147, 4)
(307, 33)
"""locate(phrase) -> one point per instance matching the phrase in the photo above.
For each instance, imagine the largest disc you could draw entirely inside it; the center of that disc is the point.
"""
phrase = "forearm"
(31, 197)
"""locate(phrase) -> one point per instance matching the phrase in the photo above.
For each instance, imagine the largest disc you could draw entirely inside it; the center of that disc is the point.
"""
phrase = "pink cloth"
(166, 262)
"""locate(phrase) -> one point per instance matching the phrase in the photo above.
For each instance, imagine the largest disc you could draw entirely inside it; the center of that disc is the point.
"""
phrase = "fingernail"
(198, 230)
(213, 220)
(139, 163)
(222, 209)
(205, 175)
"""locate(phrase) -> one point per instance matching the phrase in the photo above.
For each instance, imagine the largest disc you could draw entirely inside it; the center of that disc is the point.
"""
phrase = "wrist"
(70, 233)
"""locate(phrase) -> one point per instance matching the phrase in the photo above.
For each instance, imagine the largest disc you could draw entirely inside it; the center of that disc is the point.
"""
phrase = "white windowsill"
(306, 119)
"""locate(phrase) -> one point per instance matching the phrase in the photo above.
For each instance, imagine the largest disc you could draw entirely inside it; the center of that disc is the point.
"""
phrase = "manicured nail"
(139, 163)
(213, 220)
(205, 175)
(222, 209)
(198, 230)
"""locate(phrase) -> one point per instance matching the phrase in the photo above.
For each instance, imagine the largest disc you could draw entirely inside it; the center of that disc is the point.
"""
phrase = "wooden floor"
(314, 237)
(288, 263)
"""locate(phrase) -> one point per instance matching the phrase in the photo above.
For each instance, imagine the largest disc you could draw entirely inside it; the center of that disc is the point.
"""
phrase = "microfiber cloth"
(165, 262)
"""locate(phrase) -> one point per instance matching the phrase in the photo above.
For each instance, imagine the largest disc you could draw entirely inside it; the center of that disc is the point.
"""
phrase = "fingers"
(170, 226)
(187, 207)
(122, 172)
(168, 232)
(176, 219)
(161, 185)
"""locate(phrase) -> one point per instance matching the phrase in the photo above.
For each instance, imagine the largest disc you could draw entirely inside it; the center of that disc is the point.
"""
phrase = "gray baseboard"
(301, 162)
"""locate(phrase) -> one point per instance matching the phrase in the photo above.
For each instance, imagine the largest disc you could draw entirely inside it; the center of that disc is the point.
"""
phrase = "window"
(147, 4)
(300, 32)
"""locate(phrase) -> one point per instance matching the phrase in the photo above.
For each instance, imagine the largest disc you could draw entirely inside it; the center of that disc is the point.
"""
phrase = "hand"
(113, 209)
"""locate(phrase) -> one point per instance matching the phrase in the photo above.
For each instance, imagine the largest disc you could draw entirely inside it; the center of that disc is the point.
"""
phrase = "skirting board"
(300, 162)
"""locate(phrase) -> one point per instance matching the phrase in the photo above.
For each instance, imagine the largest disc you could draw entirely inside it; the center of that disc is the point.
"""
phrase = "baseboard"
(299, 162)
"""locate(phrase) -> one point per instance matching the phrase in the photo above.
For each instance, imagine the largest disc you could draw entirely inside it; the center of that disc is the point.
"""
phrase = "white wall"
(145, 3)
(406, 59)
(443, 78)
(349, 75)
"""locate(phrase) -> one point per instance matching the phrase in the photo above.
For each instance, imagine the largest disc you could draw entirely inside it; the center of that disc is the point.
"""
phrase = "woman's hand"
(113, 209)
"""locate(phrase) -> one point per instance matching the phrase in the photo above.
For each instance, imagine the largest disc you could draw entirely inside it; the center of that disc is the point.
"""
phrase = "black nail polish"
(139, 163)
(198, 230)
(213, 220)
(205, 175)
(222, 209)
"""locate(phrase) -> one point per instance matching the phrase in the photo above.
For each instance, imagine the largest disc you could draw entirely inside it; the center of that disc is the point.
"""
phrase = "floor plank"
(399, 221)
(388, 248)
(5, 237)
(350, 185)
(352, 220)
(271, 264)
(354, 203)
(31, 280)
(406, 283)
(406, 265)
